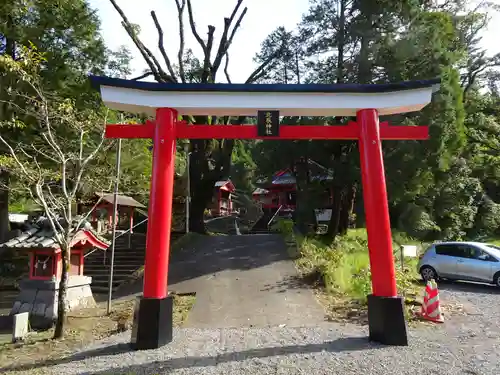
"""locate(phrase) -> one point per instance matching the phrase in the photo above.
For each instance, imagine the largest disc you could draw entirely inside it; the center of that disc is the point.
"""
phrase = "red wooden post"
(386, 318)
(376, 209)
(58, 265)
(109, 208)
(32, 264)
(82, 259)
(160, 205)
(94, 218)
(131, 218)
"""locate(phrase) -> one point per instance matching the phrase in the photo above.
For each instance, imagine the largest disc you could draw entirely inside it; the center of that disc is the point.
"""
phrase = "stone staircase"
(128, 259)
(260, 226)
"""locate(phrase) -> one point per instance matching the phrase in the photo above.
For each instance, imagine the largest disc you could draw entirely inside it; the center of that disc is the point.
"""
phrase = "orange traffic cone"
(431, 308)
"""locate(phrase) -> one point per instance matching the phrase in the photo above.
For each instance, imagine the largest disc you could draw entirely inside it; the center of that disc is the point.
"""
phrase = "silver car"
(468, 261)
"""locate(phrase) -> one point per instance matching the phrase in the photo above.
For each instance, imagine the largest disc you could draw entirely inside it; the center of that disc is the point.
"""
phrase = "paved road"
(243, 281)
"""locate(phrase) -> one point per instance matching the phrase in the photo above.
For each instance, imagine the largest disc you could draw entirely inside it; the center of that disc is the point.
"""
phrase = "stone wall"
(39, 298)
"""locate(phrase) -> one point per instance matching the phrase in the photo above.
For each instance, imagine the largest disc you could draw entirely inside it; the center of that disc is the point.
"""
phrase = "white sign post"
(409, 251)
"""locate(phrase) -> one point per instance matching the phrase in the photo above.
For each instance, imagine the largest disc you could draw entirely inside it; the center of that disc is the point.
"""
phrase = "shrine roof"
(285, 177)
(121, 200)
(39, 235)
(260, 191)
(228, 184)
(246, 99)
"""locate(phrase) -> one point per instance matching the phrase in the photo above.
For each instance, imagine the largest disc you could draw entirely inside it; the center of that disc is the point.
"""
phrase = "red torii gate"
(153, 327)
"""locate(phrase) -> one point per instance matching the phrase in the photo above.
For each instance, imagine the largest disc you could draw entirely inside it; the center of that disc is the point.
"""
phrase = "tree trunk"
(333, 226)
(10, 49)
(304, 211)
(196, 215)
(341, 42)
(346, 209)
(4, 205)
(61, 299)
(364, 63)
(203, 177)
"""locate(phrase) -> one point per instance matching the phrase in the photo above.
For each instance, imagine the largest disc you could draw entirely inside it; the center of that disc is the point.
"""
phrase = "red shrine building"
(280, 191)
(222, 201)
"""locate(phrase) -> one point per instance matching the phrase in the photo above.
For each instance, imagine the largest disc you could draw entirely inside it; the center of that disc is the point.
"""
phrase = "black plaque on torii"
(268, 123)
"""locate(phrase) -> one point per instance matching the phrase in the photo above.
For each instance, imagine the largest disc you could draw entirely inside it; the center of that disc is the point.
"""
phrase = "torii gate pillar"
(385, 308)
(155, 314)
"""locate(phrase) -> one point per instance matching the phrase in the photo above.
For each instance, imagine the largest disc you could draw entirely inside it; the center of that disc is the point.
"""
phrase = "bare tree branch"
(180, 55)
(226, 66)
(223, 45)
(16, 159)
(236, 27)
(260, 71)
(80, 153)
(193, 28)
(206, 63)
(44, 154)
(33, 159)
(128, 28)
(207, 48)
(57, 228)
(84, 218)
(148, 56)
(55, 202)
(161, 46)
(147, 74)
(89, 158)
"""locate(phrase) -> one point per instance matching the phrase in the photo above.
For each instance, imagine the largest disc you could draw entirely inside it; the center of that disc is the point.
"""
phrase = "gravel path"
(468, 343)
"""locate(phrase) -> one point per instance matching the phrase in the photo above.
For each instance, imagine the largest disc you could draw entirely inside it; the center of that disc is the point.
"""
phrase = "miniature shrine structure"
(103, 212)
(170, 102)
(38, 292)
(222, 201)
(281, 190)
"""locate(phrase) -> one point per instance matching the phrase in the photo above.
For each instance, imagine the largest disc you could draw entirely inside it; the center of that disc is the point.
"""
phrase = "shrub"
(344, 265)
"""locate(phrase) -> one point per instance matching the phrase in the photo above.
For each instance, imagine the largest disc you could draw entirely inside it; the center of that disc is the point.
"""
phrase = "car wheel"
(428, 273)
(496, 279)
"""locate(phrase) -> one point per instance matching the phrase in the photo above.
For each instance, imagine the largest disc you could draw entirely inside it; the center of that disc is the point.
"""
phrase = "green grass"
(342, 268)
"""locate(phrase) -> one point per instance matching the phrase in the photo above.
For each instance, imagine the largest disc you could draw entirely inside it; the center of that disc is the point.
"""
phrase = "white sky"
(262, 18)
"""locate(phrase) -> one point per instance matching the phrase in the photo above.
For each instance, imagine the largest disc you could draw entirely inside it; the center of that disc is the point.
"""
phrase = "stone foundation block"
(39, 299)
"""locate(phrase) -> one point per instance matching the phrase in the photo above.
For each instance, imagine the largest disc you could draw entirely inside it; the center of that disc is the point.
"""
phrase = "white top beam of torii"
(221, 99)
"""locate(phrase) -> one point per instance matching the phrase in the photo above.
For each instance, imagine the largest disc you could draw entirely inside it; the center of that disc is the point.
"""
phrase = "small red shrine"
(222, 203)
(281, 190)
(45, 260)
(39, 291)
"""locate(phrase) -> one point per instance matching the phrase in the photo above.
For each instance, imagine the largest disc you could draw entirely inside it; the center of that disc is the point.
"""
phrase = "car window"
(449, 250)
(470, 252)
(488, 257)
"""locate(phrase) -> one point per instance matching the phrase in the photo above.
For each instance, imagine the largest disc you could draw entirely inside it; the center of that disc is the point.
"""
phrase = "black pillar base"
(386, 320)
(153, 320)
